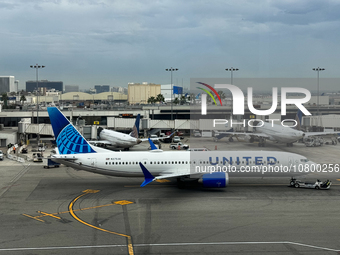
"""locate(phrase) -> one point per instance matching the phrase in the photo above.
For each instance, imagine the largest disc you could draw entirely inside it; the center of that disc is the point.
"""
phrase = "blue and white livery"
(211, 168)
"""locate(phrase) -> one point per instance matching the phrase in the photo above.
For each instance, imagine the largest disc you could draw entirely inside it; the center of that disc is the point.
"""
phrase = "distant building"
(92, 91)
(166, 92)
(52, 92)
(71, 88)
(114, 89)
(102, 88)
(42, 91)
(90, 98)
(32, 85)
(119, 90)
(8, 84)
(140, 93)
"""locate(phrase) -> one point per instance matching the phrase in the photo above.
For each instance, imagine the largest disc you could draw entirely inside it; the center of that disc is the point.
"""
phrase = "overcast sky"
(89, 42)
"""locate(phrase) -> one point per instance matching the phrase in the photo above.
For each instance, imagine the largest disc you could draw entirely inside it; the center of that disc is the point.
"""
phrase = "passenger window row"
(181, 162)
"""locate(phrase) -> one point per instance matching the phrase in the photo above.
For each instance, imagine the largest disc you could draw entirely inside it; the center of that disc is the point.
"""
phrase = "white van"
(197, 133)
(176, 139)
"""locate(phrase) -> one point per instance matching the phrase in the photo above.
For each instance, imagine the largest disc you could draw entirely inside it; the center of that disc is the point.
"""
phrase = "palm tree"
(152, 100)
(22, 99)
(176, 101)
(5, 99)
(160, 98)
(183, 100)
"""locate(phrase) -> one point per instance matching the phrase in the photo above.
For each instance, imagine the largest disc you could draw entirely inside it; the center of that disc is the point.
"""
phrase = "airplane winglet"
(153, 146)
(147, 175)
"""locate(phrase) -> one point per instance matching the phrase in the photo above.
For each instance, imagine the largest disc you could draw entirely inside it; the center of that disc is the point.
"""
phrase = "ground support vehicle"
(50, 163)
(179, 146)
(310, 185)
(37, 157)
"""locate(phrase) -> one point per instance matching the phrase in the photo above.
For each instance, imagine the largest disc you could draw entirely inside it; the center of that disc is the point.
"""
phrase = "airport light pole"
(36, 68)
(318, 70)
(171, 70)
(231, 69)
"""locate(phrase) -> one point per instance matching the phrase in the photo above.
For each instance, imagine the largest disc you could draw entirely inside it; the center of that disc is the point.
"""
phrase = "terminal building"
(139, 93)
(153, 118)
(166, 90)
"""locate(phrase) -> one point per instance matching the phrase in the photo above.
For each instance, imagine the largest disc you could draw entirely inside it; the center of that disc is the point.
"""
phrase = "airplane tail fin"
(135, 130)
(298, 119)
(68, 139)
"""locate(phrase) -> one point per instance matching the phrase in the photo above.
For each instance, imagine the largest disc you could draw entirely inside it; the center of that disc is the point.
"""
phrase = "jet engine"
(100, 129)
(249, 138)
(215, 180)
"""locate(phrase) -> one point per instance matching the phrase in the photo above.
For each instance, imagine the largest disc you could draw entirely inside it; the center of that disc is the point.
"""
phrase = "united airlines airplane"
(122, 140)
(210, 168)
(280, 134)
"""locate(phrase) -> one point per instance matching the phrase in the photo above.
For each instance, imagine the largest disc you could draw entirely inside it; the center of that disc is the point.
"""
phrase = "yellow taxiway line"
(72, 212)
(70, 207)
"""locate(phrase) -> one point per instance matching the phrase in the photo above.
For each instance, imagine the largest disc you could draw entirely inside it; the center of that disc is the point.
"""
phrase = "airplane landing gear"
(262, 142)
(180, 183)
(334, 141)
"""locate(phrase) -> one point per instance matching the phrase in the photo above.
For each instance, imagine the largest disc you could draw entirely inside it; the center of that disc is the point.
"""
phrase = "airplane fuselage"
(279, 133)
(126, 164)
(118, 139)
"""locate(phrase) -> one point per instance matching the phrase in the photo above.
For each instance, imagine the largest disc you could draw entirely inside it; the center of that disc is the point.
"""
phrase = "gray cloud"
(91, 42)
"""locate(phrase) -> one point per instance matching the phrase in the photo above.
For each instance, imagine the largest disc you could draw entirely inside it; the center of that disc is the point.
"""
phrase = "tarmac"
(63, 211)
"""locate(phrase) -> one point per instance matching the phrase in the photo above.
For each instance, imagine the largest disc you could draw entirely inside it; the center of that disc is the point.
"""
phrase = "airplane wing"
(148, 177)
(307, 134)
(246, 134)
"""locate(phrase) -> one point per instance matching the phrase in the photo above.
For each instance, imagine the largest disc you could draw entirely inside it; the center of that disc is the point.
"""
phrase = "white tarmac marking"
(166, 244)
